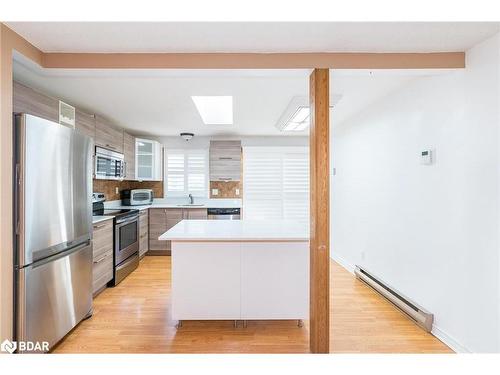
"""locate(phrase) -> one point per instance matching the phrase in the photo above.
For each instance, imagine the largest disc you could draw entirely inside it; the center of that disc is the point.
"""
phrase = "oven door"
(126, 238)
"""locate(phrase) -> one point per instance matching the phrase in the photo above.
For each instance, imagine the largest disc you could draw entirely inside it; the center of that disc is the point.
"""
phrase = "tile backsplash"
(226, 189)
(108, 187)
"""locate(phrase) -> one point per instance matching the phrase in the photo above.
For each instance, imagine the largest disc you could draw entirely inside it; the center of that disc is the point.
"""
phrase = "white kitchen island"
(239, 270)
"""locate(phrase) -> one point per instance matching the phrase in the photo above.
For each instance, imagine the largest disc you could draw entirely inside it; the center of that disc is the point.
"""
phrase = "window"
(186, 172)
(276, 182)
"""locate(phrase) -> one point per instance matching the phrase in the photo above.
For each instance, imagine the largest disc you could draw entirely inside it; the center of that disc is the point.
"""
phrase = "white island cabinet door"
(206, 280)
(275, 280)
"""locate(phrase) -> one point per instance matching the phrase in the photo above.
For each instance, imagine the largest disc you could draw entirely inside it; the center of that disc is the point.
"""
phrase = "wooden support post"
(319, 336)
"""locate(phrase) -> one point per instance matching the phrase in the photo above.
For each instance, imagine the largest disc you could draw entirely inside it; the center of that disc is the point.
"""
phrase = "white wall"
(432, 232)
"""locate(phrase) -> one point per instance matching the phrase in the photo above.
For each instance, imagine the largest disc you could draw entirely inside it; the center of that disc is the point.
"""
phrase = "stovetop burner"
(99, 210)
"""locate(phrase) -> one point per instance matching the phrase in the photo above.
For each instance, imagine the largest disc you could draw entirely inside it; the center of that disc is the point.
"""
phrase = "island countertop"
(237, 230)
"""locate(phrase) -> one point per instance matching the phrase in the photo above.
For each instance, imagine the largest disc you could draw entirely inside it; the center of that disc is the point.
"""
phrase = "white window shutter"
(186, 172)
(276, 182)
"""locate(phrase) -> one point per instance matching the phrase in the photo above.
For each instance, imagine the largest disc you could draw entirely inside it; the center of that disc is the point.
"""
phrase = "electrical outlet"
(117, 191)
(215, 191)
(237, 191)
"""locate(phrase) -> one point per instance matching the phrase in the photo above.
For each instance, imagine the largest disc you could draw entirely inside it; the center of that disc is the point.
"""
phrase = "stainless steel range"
(125, 238)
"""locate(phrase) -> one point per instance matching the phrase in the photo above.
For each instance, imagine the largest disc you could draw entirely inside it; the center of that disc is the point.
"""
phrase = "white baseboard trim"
(343, 262)
(449, 341)
(436, 331)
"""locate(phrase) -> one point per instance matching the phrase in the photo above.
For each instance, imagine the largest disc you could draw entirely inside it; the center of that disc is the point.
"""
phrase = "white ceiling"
(158, 102)
(253, 36)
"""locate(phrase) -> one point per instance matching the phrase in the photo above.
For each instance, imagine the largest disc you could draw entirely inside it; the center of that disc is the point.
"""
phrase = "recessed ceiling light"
(215, 110)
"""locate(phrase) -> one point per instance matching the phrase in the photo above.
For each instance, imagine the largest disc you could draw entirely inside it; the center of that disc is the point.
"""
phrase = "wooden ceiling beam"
(334, 60)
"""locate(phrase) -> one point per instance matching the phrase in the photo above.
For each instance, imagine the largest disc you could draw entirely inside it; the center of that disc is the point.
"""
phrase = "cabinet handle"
(100, 260)
(225, 158)
(99, 226)
(108, 145)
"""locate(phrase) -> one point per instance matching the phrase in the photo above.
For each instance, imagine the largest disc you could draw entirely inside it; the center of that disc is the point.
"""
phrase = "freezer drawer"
(54, 295)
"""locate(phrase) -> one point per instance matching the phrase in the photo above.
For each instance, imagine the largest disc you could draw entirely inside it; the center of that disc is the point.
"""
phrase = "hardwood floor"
(134, 317)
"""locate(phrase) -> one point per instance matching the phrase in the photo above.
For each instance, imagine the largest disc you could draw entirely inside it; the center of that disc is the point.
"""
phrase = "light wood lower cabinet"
(162, 219)
(102, 270)
(143, 232)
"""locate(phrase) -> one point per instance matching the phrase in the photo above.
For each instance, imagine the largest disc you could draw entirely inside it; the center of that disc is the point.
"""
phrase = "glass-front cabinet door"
(148, 160)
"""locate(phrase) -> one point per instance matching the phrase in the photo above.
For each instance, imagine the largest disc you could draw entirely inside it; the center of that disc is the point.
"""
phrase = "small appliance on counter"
(126, 237)
(136, 197)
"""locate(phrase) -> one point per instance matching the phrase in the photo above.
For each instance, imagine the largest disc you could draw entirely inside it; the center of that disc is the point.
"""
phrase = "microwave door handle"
(124, 169)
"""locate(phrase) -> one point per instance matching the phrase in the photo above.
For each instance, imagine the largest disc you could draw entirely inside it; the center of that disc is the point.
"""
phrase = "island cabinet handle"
(99, 226)
(225, 158)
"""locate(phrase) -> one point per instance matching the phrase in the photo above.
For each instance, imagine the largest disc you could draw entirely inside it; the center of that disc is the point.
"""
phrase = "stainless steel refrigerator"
(53, 229)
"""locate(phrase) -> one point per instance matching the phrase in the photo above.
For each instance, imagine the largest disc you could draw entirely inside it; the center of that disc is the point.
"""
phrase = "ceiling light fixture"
(296, 117)
(215, 110)
(187, 136)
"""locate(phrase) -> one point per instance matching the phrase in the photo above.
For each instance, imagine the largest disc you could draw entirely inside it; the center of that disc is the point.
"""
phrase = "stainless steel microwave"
(109, 165)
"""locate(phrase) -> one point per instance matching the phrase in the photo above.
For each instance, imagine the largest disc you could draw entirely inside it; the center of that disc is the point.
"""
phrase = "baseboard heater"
(423, 318)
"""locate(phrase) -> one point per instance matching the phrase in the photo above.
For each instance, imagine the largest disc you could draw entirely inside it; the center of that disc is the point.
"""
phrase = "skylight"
(215, 110)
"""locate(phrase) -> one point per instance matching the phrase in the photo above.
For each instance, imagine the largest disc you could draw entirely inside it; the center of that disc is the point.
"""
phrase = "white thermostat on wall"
(426, 157)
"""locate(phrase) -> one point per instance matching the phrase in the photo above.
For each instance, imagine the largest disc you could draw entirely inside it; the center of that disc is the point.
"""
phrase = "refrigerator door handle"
(62, 254)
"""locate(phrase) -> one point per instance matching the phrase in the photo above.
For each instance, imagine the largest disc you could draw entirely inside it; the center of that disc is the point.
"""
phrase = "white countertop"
(180, 203)
(98, 219)
(237, 230)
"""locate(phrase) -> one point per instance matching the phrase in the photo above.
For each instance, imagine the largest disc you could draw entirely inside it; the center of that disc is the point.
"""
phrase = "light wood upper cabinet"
(85, 123)
(27, 100)
(225, 160)
(129, 153)
(108, 135)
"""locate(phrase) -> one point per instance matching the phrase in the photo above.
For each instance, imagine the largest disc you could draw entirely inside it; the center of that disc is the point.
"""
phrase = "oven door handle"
(127, 221)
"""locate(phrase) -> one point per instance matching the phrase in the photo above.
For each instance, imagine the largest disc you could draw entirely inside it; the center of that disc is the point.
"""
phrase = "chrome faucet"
(191, 199)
